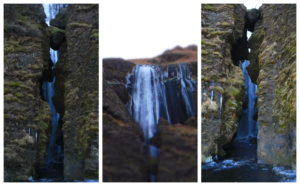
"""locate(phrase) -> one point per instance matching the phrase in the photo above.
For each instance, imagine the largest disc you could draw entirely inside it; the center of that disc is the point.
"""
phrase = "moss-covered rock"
(223, 86)
(26, 57)
(57, 37)
(76, 91)
(273, 46)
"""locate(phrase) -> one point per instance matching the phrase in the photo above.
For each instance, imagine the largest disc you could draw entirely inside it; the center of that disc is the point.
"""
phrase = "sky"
(145, 29)
(252, 5)
(249, 6)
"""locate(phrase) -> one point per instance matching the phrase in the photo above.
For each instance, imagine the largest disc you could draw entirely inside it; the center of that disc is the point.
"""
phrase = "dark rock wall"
(26, 57)
(177, 161)
(76, 91)
(273, 54)
(124, 153)
(222, 27)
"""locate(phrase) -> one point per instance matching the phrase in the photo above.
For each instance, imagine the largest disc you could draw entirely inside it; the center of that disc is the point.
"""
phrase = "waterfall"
(221, 99)
(156, 93)
(51, 10)
(247, 126)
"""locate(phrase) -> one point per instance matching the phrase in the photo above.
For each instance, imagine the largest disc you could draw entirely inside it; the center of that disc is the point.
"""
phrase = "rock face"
(273, 55)
(223, 88)
(252, 17)
(125, 155)
(272, 67)
(57, 37)
(177, 160)
(59, 20)
(27, 118)
(76, 92)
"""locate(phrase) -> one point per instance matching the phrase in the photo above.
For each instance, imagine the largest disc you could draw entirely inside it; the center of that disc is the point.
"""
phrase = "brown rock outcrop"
(177, 161)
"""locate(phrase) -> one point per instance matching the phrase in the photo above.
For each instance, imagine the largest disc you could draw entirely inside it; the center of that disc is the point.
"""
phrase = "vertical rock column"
(27, 118)
(76, 91)
(273, 48)
(223, 87)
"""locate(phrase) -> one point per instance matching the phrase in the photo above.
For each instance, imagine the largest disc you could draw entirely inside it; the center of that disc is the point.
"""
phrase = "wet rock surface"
(240, 165)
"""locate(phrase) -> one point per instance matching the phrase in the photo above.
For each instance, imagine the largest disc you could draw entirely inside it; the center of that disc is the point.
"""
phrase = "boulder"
(57, 37)
(59, 20)
(191, 122)
(252, 16)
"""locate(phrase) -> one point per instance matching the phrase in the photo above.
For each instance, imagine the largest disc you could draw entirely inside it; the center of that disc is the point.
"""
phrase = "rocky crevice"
(27, 64)
(272, 68)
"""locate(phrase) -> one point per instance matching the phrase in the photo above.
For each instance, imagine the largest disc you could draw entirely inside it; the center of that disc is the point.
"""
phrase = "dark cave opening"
(47, 76)
(240, 50)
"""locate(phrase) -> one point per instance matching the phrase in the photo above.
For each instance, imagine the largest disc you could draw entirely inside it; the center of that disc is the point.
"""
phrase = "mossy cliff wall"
(76, 91)
(26, 57)
(273, 68)
(222, 27)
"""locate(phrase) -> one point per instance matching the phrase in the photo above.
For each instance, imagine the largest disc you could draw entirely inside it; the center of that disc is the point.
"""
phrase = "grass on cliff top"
(55, 30)
(208, 7)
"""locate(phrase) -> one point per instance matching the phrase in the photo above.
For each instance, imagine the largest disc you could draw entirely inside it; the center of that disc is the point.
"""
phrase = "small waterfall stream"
(247, 126)
(54, 151)
(160, 93)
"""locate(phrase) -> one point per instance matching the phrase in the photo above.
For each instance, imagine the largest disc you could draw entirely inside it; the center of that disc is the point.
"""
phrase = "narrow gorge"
(51, 92)
(248, 93)
(149, 117)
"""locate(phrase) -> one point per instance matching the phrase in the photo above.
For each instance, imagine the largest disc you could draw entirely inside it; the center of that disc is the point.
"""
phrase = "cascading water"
(157, 93)
(247, 126)
(54, 151)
